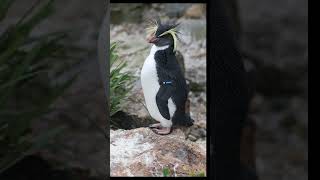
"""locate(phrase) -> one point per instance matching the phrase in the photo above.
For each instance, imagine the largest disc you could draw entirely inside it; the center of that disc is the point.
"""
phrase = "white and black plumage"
(164, 86)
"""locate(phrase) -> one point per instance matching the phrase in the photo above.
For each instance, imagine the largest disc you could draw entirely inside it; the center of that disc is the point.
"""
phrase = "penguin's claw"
(157, 125)
(162, 131)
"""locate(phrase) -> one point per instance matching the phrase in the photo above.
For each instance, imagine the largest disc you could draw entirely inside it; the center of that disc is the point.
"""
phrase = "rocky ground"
(139, 152)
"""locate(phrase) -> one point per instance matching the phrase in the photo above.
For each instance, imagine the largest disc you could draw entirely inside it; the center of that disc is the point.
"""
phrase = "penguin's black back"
(169, 70)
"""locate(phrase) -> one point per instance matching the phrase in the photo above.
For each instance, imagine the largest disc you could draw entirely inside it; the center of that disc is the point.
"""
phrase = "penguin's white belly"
(150, 87)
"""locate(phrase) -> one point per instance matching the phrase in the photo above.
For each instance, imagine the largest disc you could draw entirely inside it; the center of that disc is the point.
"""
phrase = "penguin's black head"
(163, 34)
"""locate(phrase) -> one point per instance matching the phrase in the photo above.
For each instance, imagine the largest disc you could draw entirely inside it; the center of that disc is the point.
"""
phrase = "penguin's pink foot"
(157, 125)
(162, 130)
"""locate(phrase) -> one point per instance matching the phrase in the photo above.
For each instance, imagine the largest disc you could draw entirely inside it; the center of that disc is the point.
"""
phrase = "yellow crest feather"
(152, 29)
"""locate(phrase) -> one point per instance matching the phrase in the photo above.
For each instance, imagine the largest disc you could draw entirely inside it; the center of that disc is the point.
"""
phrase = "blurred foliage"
(26, 95)
(197, 174)
(166, 172)
(120, 82)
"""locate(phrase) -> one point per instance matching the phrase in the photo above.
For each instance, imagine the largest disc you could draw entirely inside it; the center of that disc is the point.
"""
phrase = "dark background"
(80, 150)
(273, 35)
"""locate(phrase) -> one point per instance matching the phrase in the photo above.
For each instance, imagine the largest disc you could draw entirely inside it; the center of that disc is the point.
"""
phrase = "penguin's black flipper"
(168, 67)
(162, 97)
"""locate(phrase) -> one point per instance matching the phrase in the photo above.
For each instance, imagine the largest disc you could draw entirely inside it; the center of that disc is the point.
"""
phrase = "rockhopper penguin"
(163, 83)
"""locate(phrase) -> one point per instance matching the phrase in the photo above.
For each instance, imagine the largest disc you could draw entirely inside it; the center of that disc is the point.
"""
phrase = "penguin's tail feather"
(182, 119)
(190, 121)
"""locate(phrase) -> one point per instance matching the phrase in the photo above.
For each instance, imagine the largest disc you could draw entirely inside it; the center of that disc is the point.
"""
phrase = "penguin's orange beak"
(152, 39)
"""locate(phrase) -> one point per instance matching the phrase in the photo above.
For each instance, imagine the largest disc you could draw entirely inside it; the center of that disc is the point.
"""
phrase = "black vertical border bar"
(229, 95)
(104, 62)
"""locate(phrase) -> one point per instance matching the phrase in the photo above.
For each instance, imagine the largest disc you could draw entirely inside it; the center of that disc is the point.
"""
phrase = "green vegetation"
(166, 172)
(25, 92)
(197, 174)
(120, 82)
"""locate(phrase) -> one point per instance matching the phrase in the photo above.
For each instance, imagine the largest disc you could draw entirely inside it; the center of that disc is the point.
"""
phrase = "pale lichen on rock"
(141, 152)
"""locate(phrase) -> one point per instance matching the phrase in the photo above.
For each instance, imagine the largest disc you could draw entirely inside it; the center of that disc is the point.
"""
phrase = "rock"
(192, 137)
(175, 9)
(193, 30)
(195, 11)
(203, 133)
(131, 121)
(141, 152)
(123, 13)
(203, 143)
